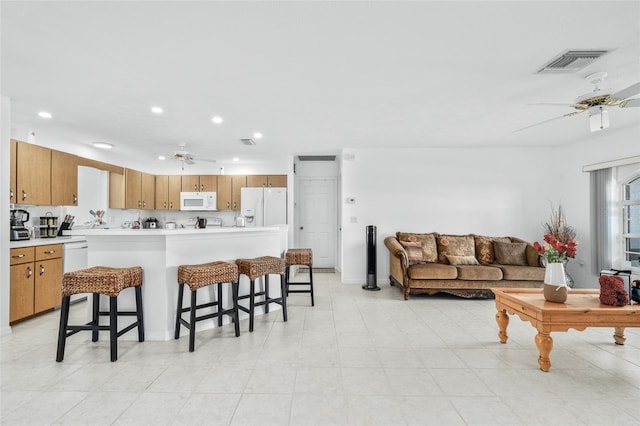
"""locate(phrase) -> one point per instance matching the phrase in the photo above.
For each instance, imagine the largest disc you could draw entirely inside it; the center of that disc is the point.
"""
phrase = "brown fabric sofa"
(463, 265)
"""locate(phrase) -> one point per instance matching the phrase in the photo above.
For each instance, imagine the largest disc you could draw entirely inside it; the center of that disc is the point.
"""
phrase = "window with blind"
(631, 221)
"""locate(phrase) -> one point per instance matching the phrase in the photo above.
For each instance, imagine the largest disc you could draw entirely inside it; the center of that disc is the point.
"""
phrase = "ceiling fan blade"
(188, 160)
(547, 121)
(208, 161)
(630, 103)
(632, 90)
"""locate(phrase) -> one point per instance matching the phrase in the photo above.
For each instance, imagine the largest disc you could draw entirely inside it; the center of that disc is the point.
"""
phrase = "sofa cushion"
(522, 273)
(414, 251)
(479, 273)
(484, 248)
(456, 245)
(432, 271)
(510, 253)
(461, 260)
(428, 241)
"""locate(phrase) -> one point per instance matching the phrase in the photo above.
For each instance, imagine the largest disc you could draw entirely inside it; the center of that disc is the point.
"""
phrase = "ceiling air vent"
(317, 157)
(248, 141)
(572, 61)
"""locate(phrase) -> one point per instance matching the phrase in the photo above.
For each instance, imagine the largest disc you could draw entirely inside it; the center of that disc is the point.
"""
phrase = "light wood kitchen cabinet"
(229, 191)
(256, 181)
(139, 190)
(12, 170)
(116, 190)
(33, 174)
(272, 181)
(168, 192)
(277, 181)
(64, 179)
(36, 280)
(200, 183)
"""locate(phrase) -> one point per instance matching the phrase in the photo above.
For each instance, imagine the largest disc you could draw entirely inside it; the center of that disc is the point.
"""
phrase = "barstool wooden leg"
(266, 293)
(252, 303)
(219, 304)
(96, 316)
(139, 314)
(113, 327)
(236, 317)
(179, 311)
(286, 280)
(311, 283)
(62, 332)
(283, 289)
(192, 321)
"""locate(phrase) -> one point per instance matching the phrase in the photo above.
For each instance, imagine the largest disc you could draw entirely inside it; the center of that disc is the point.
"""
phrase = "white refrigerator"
(264, 206)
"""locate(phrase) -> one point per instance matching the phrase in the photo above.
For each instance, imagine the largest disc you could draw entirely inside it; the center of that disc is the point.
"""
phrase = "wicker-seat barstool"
(101, 280)
(262, 267)
(299, 256)
(196, 277)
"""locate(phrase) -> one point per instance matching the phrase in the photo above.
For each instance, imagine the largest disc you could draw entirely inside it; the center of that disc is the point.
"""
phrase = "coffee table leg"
(544, 342)
(503, 321)
(619, 336)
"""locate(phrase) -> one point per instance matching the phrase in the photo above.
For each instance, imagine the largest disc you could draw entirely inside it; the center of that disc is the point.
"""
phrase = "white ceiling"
(313, 77)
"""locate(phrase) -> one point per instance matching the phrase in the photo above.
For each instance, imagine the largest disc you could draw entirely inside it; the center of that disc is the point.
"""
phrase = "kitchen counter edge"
(46, 241)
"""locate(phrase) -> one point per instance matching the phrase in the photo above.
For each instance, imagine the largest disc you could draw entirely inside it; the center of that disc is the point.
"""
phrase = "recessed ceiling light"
(236, 159)
(44, 114)
(103, 145)
(257, 135)
(156, 110)
(216, 119)
(161, 157)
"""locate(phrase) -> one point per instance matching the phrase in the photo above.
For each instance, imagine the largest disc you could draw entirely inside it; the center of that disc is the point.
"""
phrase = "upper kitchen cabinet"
(229, 191)
(203, 183)
(277, 181)
(168, 192)
(12, 180)
(116, 190)
(33, 174)
(64, 179)
(273, 181)
(139, 190)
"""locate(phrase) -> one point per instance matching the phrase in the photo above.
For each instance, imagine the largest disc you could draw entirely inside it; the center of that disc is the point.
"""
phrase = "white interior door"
(317, 225)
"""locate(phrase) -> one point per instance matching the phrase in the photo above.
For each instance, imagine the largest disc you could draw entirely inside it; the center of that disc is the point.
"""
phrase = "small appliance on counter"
(18, 230)
(240, 222)
(150, 223)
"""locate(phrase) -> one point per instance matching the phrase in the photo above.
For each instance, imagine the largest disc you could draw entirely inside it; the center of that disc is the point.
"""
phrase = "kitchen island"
(161, 251)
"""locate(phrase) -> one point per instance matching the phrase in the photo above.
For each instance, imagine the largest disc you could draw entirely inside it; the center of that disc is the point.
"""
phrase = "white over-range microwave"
(198, 201)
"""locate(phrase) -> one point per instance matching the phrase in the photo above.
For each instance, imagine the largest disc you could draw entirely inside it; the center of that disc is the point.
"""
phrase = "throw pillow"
(428, 241)
(484, 248)
(462, 260)
(414, 251)
(457, 245)
(510, 253)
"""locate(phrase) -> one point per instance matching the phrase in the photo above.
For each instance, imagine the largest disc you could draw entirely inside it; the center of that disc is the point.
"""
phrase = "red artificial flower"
(539, 248)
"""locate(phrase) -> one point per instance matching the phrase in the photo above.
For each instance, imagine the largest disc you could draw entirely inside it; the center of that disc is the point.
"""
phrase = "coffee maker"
(18, 230)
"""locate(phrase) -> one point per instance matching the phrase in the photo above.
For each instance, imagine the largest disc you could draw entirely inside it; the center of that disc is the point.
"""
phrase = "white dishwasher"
(75, 257)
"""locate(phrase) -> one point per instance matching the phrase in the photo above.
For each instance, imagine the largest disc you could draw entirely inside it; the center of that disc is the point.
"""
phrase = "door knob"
(302, 227)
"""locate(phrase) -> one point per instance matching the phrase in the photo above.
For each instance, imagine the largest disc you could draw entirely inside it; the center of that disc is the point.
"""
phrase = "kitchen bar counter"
(45, 241)
(161, 251)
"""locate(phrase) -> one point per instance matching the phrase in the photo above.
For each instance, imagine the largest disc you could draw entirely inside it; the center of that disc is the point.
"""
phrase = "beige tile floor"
(356, 358)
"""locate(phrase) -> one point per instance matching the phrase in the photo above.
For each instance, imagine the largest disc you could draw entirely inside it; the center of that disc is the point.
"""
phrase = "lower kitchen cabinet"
(36, 280)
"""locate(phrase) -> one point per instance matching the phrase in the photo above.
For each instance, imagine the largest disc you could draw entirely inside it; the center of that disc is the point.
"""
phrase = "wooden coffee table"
(581, 310)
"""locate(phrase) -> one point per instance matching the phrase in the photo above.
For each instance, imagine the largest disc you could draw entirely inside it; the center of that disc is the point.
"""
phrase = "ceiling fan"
(596, 103)
(186, 157)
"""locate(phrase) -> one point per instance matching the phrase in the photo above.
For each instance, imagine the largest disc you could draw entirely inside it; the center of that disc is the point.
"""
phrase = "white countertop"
(46, 241)
(179, 231)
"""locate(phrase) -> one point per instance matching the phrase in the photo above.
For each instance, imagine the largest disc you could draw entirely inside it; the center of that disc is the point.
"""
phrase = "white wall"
(488, 191)
(5, 115)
